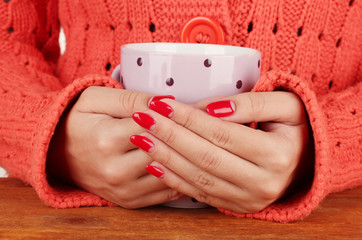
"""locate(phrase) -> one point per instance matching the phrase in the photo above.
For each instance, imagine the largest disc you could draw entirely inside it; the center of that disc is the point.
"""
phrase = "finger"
(154, 198)
(135, 160)
(281, 107)
(196, 150)
(118, 170)
(225, 201)
(118, 103)
(118, 132)
(222, 187)
(242, 141)
(146, 190)
(145, 185)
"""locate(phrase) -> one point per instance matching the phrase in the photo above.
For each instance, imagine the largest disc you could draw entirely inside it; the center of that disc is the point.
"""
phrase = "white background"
(62, 49)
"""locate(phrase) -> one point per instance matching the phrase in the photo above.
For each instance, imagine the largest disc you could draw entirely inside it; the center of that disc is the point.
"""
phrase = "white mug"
(189, 72)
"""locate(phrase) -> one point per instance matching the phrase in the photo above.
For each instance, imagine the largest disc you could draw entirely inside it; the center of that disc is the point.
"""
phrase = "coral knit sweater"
(312, 48)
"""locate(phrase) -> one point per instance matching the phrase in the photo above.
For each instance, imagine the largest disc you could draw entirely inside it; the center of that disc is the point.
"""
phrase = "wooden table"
(24, 216)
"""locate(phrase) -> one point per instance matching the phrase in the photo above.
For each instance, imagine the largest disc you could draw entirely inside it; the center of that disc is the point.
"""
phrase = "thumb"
(119, 103)
(282, 107)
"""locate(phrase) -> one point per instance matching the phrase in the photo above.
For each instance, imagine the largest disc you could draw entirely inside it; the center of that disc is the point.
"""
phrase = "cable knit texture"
(312, 48)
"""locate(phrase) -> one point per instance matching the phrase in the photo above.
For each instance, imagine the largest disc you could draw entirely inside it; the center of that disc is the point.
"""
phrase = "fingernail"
(143, 143)
(162, 108)
(157, 98)
(155, 171)
(144, 120)
(221, 108)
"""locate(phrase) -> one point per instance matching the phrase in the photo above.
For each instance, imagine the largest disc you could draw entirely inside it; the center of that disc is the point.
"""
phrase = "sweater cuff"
(56, 195)
(303, 202)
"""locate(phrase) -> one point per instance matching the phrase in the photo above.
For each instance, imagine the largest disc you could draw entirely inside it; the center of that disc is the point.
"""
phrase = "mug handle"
(116, 73)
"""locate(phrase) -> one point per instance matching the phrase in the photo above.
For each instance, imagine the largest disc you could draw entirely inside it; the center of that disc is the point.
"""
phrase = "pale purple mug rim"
(233, 51)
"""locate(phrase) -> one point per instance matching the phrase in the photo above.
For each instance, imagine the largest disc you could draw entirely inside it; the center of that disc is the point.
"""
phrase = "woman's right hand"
(91, 149)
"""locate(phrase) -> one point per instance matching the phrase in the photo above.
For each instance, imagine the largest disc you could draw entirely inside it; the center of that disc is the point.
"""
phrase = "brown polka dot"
(170, 81)
(239, 84)
(207, 63)
(139, 61)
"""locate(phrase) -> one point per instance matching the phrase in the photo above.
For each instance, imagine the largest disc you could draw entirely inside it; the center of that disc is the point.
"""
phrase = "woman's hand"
(91, 149)
(222, 162)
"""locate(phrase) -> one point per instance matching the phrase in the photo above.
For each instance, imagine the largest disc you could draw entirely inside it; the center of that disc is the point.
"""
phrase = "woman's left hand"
(221, 161)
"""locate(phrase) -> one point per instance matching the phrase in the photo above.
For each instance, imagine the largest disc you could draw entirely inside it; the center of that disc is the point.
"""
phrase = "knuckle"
(220, 136)
(202, 197)
(175, 185)
(257, 103)
(125, 197)
(282, 163)
(165, 157)
(127, 101)
(208, 160)
(103, 144)
(173, 195)
(189, 118)
(111, 176)
(170, 136)
(271, 190)
(203, 181)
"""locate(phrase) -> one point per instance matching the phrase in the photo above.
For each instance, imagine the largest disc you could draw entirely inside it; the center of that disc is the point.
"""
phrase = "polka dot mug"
(189, 72)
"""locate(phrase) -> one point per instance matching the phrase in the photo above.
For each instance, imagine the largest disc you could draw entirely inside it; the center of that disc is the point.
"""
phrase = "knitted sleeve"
(336, 122)
(32, 98)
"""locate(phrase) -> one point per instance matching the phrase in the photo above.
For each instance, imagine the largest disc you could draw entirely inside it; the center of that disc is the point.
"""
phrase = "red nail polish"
(221, 108)
(162, 108)
(155, 171)
(144, 120)
(157, 98)
(143, 143)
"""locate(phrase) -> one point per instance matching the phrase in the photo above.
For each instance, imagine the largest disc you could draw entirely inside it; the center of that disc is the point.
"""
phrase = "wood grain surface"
(24, 216)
